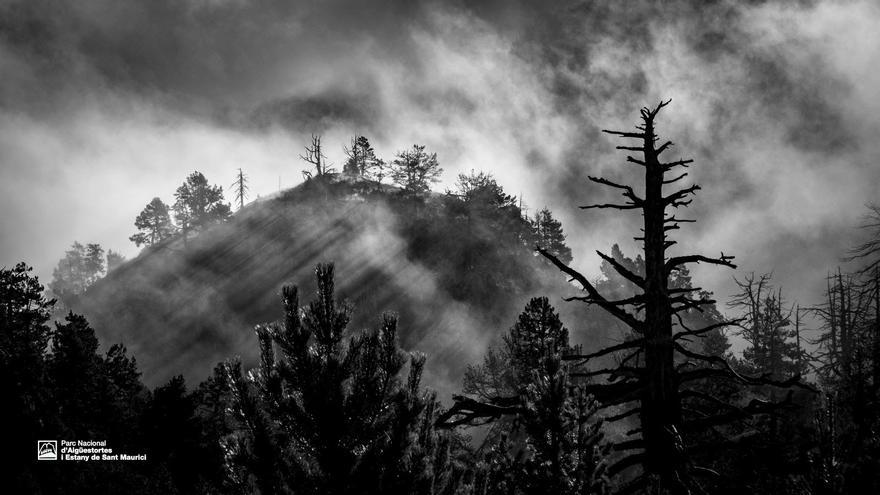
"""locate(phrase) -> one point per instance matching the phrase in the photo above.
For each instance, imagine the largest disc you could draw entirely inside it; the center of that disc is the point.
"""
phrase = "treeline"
(198, 204)
(665, 409)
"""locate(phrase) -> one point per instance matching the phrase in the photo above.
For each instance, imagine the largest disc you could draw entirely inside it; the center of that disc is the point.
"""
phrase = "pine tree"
(24, 339)
(75, 368)
(414, 170)
(153, 223)
(362, 160)
(81, 267)
(546, 438)
(326, 414)
(69, 276)
(199, 204)
(93, 263)
(481, 189)
(549, 235)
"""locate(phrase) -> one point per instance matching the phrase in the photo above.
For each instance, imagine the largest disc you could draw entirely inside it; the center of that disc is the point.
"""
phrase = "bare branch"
(608, 205)
(627, 190)
(678, 163)
(622, 270)
(670, 181)
(676, 196)
(630, 344)
(706, 329)
(468, 411)
(597, 298)
(635, 135)
(634, 160)
(663, 148)
(697, 258)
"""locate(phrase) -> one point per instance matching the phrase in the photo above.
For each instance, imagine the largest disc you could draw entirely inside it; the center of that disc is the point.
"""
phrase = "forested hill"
(457, 268)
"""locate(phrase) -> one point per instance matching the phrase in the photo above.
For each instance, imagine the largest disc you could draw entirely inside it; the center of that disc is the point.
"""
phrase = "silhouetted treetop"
(153, 223)
(414, 170)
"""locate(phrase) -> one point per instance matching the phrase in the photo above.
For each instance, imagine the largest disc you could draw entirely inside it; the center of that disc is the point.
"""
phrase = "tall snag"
(658, 374)
(658, 369)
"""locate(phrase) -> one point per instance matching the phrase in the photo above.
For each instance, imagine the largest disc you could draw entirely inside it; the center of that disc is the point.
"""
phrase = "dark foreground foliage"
(330, 407)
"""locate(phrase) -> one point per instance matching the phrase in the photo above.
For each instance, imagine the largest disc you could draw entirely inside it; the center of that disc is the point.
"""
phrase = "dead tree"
(240, 188)
(656, 374)
(316, 157)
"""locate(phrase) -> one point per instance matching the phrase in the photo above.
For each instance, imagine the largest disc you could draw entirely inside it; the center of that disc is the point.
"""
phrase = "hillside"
(457, 272)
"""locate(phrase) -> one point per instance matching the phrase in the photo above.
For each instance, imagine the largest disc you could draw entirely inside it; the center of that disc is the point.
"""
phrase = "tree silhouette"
(316, 158)
(199, 204)
(414, 170)
(549, 235)
(153, 223)
(656, 368)
(362, 160)
(240, 188)
(81, 267)
(767, 329)
(545, 435)
(329, 414)
(869, 251)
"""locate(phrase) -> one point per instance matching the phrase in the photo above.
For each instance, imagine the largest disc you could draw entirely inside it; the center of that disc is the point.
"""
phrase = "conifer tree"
(414, 170)
(82, 266)
(198, 204)
(153, 223)
(362, 160)
(93, 263)
(549, 235)
(24, 339)
(326, 414)
(524, 389)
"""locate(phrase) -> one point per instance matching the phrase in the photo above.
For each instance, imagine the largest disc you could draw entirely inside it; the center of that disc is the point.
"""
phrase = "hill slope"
(457, 272)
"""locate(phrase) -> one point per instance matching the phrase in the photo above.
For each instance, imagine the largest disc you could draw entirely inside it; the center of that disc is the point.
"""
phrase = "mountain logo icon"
(47, 450)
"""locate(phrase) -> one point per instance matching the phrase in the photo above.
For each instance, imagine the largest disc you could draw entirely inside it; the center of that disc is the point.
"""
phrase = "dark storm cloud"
(776, 101)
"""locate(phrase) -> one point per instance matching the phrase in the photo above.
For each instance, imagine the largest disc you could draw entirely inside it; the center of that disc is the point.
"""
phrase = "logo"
(47, 450)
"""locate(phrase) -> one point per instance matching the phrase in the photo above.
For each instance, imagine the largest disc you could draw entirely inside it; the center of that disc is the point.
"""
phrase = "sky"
(105, 104)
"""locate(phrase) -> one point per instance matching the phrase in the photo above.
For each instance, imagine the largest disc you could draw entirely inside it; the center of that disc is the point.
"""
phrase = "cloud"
(108, 103)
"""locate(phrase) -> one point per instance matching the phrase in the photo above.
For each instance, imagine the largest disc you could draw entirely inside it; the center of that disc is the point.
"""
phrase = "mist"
(106, 104)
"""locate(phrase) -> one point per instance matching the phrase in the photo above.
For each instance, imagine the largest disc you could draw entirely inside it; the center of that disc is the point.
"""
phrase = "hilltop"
(457, 270)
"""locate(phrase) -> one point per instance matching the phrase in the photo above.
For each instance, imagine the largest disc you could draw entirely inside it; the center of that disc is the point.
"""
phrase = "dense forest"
(322, 341)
